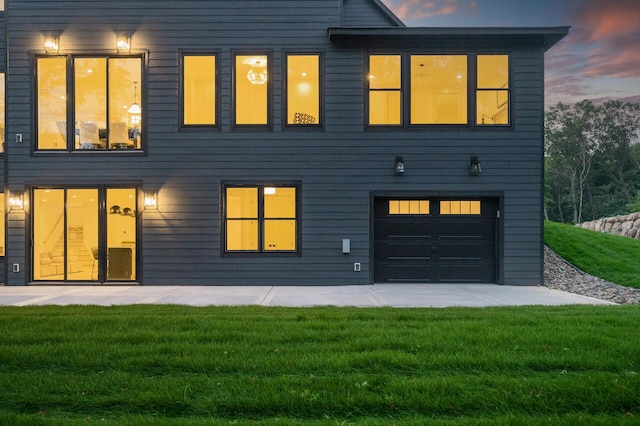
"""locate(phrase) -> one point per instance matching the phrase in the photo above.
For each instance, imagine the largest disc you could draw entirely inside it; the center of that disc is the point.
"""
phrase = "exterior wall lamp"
(474, 166)
(51, 44)
(399, 166)
(150, 200)
(123, 44)
(16, 201)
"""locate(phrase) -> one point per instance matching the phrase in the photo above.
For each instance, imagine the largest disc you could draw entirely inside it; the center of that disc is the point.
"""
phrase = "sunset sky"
(598, 60)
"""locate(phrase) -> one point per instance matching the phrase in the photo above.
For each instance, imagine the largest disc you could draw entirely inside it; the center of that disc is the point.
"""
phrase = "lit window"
(459, 207)
(252, 82)
(303, 89)
(492, 95)
(52, 103)
(2, 115)
(2, 225)
(261, 219)
(199, 90)
(438, 89)
(385, 90)
(105, 109)
(409, 207)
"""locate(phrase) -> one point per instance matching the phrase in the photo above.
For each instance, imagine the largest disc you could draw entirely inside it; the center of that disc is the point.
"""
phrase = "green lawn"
(610, 257)
(319, 366)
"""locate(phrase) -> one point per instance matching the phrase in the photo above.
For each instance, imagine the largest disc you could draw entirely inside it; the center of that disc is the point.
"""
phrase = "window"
(252, 90)
(2, 224)
(459, 207)
(409, 207)
(105, 107)
(438, 89)
(199, 90)
(2, 114)
(261, 219)
(303, 90)
(84, 234)
(385, 90)
(492, 95)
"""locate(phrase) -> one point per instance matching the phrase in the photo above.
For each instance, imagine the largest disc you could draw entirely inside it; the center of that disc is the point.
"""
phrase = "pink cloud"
(420, 9)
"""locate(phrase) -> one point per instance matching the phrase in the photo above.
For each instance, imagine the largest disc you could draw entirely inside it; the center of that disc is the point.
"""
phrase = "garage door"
(435, 240)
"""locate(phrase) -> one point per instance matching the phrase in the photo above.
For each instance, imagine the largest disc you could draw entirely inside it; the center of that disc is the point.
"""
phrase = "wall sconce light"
(51, 44)
(150, 200)
(399, 166)
(16, 201)
(474, 166)
(123, 45)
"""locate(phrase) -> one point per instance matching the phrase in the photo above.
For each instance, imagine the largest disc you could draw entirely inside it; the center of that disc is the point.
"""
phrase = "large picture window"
(105, 110)
(303, 90)
(199, 90)
(439, 89)
(261, 219)
(252, 90)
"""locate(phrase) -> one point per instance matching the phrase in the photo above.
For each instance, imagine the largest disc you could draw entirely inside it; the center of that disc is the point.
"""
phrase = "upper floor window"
(492, 94)
(2, 114)
(252, 89)
(303, 90)
(438, 88)
(385, 90)
(199, 90)
(100, 111)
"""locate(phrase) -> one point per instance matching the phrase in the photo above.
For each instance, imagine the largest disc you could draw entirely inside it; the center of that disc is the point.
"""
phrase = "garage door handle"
(434, 250)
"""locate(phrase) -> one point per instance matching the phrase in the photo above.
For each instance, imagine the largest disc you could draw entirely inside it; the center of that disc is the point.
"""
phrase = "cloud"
(610, 33)
(422, 9)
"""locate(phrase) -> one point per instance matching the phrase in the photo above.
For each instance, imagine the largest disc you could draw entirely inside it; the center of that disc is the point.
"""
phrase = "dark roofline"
(389, 13)
(546, 36)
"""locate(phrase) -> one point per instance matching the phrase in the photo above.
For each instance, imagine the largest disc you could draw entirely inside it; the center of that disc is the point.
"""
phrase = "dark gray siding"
(338, 167)
(365, 13)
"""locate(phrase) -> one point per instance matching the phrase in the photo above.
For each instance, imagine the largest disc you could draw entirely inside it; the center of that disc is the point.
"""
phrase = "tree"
(569, 148)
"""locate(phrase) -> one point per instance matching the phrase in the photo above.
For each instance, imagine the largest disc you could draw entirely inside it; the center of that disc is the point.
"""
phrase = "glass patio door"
(86, 234)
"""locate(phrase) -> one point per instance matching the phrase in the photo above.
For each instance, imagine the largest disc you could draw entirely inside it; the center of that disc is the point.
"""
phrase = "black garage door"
(435, 240)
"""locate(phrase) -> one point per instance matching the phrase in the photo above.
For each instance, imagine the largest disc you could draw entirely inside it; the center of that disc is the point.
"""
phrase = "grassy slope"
(256, 365)
(613, 258)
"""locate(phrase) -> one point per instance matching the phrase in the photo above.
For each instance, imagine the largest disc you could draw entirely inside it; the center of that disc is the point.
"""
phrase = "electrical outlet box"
(346, 246)
(356, 267)
(16, 267)
(19, 137)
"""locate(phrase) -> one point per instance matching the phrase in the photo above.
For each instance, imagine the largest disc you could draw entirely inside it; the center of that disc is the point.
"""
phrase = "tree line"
(592, 160)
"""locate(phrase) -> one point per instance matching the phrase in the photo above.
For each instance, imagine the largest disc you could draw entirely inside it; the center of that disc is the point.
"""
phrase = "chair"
(94, 252)
(89, 136)
(119, 136)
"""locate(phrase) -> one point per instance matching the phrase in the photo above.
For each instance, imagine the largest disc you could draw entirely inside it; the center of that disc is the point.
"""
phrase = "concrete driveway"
(394, 295)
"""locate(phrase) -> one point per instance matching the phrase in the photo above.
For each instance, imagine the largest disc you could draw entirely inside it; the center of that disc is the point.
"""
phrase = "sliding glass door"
(85, 234)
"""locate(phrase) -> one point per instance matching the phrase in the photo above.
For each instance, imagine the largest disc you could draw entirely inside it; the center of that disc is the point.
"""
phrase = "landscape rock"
(561, 275)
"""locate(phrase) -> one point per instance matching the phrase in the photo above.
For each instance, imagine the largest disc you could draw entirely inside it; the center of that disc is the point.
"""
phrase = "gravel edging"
(561, 275)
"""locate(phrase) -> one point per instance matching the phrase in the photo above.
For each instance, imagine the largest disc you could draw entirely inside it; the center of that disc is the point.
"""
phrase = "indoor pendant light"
(135, 108)
(257, 74)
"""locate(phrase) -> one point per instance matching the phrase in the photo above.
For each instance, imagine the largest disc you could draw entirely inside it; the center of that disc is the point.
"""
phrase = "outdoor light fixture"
(399, 167)
(123, 45)
(16, 200)
(150, 200)
(51, 44)
(474, 166)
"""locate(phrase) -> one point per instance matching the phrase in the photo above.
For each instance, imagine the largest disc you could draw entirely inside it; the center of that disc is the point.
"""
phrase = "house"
(210, 142)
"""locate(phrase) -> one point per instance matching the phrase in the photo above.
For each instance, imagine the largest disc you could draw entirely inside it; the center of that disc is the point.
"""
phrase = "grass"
(181, 365)
(610, 257)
